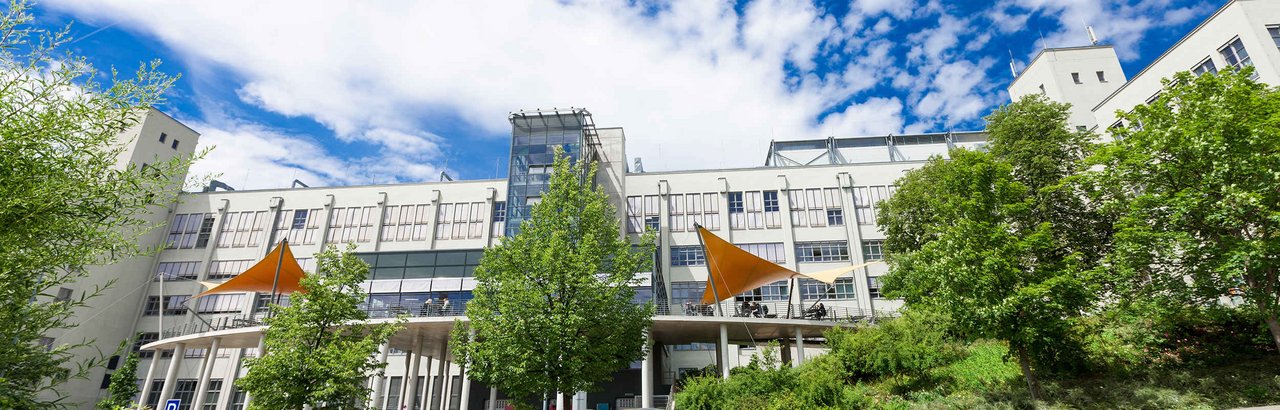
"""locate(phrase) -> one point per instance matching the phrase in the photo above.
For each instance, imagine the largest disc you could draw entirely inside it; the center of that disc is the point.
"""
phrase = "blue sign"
(173, 404)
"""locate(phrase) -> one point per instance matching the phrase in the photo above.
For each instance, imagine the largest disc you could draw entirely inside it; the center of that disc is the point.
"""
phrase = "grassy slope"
(984, 380)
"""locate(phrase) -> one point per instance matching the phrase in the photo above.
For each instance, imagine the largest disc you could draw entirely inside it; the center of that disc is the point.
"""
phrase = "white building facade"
(1240, 34)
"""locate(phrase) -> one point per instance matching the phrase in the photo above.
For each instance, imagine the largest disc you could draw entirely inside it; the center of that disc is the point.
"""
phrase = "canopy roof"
(733, 270)
(260, 277)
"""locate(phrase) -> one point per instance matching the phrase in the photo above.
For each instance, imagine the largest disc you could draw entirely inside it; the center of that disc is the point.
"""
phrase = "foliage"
(65, 202)
(766, 384)
(124, 383)
(1194, 192)
(911, 344)
(553, 308)
(1001, 239)
(319, 349)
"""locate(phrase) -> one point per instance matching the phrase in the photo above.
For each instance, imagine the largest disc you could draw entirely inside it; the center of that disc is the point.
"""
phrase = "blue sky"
(342, 93)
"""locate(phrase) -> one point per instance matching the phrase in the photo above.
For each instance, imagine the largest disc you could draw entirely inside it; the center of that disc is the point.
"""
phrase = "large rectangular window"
(823, 251)
(178, 271)
(211, 395)
(401, 223)
(173, 305)
(816, 207)
(228, 268)
(687, 210)
(190, 231)
(499, 218)
(687, 256)
(463, 220)
(1236, 55)
(144, 339)
(1205, 67)
(643, 214)
(873, 285)
(811, 289)
(220, 304)
(393, 392)
(301, 226)
(352, 224)
(873, 250)
(772, 292)
(773, 251)
(682, 292)
(242, 229)
(865, 199)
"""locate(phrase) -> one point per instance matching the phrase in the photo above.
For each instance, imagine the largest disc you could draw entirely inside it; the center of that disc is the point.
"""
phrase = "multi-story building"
(1242, 33)
(809, 207)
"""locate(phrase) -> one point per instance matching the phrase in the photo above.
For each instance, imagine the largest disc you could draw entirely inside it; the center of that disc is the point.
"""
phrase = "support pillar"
(380, 381)
(151, 374)
(171, 377)
(799, 347)
(441, 367)
(646, 373)
(428, 386)
(206, 371)
(559, 401)
(465, 403)
(724, 350)
(413, 359)
(493, 398)
(229, 383)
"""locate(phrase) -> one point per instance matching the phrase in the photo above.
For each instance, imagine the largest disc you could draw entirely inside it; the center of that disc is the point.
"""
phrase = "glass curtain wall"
(534, 138)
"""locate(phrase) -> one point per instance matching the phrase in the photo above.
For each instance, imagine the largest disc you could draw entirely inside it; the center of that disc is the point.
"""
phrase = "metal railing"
(777, 310)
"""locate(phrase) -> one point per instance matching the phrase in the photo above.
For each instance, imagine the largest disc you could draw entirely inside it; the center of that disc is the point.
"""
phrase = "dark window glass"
(771, 201)
(735, 203)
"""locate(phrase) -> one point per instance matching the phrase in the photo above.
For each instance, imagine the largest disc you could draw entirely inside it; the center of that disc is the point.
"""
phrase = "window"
(735, 203)
(825, 251)
(1081, 128)
(811, 289)
(642, 213)
(773, 252)
(190, 231)
(499, 218)
(353, 224)
(264, 301)
(460, 220)
(1275, 34)
(702, 209)
(298, 225)
(147, 338)
(1204, 67)
(771, 292)
(1042, 90)
(163, 136)
(242, 229)
(404, 223)
(1102, 77)
(873, 250)
(393, 392)
(771, 201)
(175, 144)
(237, 398)
(691, 347)
(1075, 77)
(192, 353)
(835, 217)
(64, 294)
(873, 286)
(220, 304)
(173, 305)
(228, 268)
(865, 200)
(178, 270)
(185, 390)
(211, 397)
(1236, 55)
(687, 256)
(687, 292)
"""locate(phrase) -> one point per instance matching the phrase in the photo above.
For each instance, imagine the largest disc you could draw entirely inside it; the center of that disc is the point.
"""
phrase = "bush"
(911, 344)
(1135, 338)
(767, 384)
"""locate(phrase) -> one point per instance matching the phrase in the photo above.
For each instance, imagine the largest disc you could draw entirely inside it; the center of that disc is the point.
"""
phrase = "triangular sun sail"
(734, 270)
(261, 276)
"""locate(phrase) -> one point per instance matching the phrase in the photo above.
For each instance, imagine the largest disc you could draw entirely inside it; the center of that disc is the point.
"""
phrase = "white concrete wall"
(1054, 68)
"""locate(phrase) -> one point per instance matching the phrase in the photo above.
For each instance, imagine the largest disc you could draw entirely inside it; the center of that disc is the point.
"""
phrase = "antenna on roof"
(1013, 68)
(1043, 44)
(1093, 38)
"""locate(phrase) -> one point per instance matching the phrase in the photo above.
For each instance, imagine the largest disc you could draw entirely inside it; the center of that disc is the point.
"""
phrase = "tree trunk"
(1274, 326)
(1033, 384)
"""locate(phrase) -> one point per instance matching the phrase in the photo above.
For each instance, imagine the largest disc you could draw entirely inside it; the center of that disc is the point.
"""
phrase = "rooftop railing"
(763, 310)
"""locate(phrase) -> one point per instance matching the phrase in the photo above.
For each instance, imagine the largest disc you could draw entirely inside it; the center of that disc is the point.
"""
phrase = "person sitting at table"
(746, 309)
(755, 309)
(444, 305)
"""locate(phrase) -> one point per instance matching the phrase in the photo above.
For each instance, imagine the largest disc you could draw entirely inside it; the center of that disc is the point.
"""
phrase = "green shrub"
(767, 384)
(911, 344)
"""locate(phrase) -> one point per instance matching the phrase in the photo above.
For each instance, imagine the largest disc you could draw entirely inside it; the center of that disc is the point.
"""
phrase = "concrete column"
(380, 381)
(465, 403)
(559, 401)
(724, 350)
(799, 348)
(229, 381)
(646, 374)
(171, 377)
(206, 371)
(441, 369)
(414, 362)
(151, 373)
(493, 398)
(428, 386)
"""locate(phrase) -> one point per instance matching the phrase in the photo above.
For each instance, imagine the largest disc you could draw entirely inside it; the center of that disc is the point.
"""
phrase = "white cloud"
(1121, 23)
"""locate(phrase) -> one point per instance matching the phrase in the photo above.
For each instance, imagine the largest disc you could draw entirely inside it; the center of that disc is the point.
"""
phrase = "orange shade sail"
(260, 277)
(733, 270)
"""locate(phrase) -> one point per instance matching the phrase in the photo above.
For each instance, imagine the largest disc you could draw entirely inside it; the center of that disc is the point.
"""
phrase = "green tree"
(65, 202)
(124, 384)
(992, 237)
(1196, 193)
(553, 308)
(319, 349)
